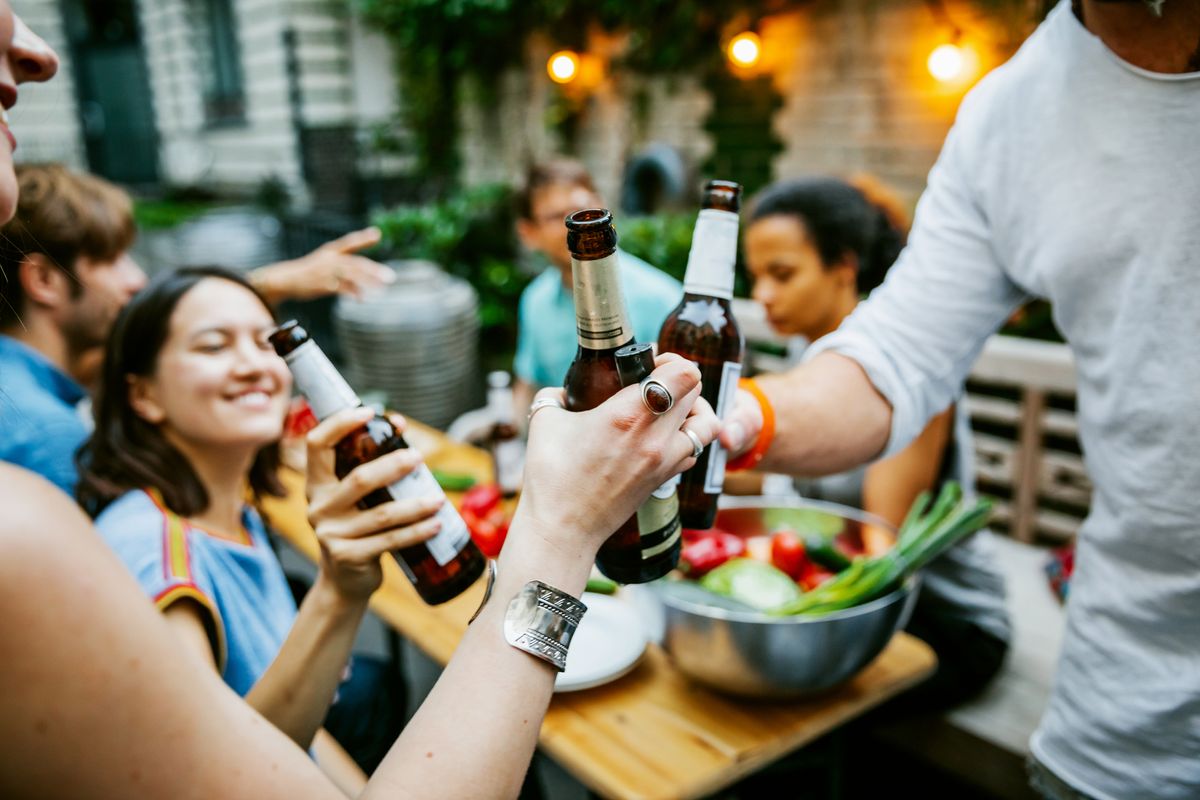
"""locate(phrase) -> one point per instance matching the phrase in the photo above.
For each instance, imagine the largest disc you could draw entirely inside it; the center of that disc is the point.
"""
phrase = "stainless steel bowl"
(753, 654)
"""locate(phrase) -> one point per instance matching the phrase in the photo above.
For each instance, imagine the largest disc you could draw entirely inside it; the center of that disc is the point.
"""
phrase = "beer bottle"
(440, 568)
(658, 517)
(603, 327)
(504, 442)
(702, 328)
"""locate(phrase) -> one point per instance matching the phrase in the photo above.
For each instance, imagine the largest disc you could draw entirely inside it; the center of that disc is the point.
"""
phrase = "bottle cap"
(634, 362)
(723, 195)
(499, 379)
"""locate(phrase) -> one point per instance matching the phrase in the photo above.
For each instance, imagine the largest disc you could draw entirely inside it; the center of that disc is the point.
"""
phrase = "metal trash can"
(417, 341)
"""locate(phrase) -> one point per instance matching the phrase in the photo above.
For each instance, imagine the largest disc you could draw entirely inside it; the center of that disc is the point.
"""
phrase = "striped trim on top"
(177, 570)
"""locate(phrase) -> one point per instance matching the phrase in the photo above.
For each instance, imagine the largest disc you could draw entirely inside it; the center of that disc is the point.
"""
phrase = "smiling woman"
(189, 413)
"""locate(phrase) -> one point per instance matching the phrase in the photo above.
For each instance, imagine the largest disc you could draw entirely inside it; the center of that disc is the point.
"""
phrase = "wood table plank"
(653, 733)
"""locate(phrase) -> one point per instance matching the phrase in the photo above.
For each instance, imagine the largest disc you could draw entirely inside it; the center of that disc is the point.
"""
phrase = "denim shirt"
(40, 428)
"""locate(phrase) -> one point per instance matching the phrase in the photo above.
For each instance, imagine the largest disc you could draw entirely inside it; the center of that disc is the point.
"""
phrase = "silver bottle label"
(714, 478)
(600, 316)
(454, 536)
(319, 381)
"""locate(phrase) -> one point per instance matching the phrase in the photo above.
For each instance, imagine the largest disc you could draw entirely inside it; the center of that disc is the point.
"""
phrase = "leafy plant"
(470, 235)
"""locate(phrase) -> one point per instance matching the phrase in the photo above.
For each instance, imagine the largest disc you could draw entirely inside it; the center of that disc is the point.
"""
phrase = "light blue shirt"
(240, 585)
(40, 428)
(546, 336)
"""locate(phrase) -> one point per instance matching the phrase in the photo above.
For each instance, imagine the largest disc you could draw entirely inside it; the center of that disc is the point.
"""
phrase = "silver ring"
(545, 402)
(656, 397)
(697, 445)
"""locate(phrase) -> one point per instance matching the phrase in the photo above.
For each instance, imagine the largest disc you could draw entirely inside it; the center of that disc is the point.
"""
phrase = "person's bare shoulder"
(34, 509)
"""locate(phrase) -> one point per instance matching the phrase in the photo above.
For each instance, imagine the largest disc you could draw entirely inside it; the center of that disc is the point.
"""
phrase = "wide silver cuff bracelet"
(541, 620)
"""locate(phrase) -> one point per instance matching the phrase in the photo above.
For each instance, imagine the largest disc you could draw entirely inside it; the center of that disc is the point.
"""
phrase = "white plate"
(608, 643)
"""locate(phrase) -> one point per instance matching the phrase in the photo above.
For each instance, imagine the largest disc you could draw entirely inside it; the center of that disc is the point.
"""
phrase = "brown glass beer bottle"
(440, 568)
(658, 517)
(702, 328)
(603, 327)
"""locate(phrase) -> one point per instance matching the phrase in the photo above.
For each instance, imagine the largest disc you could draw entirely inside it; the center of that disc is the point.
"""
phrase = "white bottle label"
(714, 478)
(713, 254)
(453, 536)
(319, 381)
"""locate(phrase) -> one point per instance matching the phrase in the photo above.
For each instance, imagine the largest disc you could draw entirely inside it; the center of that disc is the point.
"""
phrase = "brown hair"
(63, 215)
(557, 172)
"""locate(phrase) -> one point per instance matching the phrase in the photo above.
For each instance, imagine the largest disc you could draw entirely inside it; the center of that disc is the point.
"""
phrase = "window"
(224, 93)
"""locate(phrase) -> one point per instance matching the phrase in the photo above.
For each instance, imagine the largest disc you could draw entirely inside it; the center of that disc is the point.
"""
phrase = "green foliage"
(162, 214)
(470, 235)
(664, 240)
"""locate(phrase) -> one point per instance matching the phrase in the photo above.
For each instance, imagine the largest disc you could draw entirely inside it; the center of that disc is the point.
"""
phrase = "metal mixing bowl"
(753, 654)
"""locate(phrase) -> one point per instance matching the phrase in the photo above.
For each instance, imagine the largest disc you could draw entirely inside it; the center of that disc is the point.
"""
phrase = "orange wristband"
(751, 457)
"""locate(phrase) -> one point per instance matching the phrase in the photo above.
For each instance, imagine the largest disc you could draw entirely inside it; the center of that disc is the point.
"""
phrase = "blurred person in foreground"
(814, 247)
(69, 272)
(1069, 174)
(546, 333)
(110, 705)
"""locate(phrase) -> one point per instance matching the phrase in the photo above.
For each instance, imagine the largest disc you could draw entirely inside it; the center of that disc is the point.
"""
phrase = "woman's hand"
(352, 539)
(587, 472)
(742, 424)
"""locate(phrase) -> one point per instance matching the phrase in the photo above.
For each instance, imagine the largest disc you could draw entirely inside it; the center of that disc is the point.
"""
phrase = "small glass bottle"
(658, 517)
(702, 329)
(439, 568)
(504, 440)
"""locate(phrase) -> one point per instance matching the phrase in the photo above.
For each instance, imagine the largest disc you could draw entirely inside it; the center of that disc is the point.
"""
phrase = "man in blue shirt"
(67, 274)
(546, 338)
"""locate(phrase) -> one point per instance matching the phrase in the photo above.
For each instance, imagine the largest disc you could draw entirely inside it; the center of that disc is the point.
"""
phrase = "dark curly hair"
(126, 452)
(842, 219)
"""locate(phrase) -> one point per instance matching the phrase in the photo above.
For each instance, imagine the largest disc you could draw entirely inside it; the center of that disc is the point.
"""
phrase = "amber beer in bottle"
(702, 328)
(603, 327)
(658, 517)
(440, 568)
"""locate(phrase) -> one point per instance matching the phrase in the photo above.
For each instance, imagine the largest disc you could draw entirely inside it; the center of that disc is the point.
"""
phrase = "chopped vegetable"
(822, 551)
(453, 481)
(481, 499)
(485, 518)
(710, 550)
(754, 583)
(600, 585)
(787, 554)
(923, 537)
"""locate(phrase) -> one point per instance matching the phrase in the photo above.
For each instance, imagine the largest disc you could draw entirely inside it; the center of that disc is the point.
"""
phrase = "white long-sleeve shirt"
(1074, 176)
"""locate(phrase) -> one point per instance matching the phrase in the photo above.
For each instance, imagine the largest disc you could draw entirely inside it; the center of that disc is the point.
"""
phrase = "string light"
(745, 49)
(563, 66)
(947, 63)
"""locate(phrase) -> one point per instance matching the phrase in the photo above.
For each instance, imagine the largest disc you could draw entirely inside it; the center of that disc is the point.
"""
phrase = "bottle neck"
(319, 381)
(713, 254)
(601, 319)
(500, 404)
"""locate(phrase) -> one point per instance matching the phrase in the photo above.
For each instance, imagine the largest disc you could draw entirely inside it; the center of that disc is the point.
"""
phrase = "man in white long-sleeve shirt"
(1072, 173)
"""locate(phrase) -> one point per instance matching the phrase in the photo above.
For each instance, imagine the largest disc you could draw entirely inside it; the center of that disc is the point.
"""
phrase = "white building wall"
(45, 120)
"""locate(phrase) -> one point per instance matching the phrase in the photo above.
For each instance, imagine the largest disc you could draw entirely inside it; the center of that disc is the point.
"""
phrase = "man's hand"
(333, 268)
(742, 424)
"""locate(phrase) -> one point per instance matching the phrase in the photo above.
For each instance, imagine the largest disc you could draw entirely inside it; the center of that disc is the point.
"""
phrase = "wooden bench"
(1021, 399)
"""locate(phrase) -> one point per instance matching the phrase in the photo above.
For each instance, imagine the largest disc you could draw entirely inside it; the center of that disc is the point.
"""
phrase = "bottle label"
(510, 464)
(453, 536)
(600, 316)
(714, 478)
(658, 521)
(319, 381)
(713, 254)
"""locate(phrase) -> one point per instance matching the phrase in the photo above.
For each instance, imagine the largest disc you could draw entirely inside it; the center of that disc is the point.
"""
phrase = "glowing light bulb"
(947, 63)
(563, 66)
(745, 49)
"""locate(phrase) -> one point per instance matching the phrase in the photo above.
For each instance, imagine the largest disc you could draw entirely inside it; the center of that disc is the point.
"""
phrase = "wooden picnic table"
(652, 733)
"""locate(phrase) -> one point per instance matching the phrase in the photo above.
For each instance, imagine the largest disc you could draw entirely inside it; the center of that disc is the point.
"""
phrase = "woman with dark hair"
(814, 247)
(189, 413)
